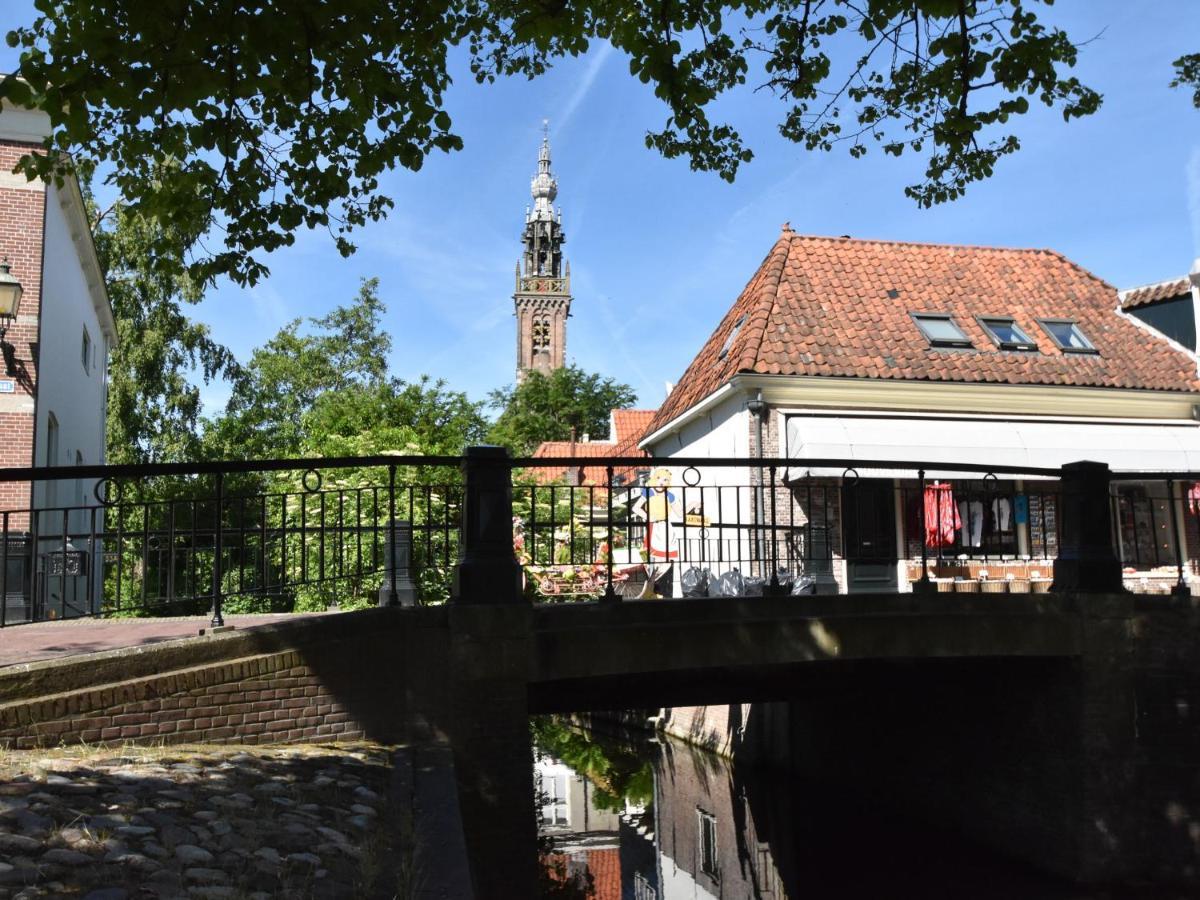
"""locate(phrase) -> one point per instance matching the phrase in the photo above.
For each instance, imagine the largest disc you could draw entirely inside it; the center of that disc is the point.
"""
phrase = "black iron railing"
(278, 535)
(281, 535)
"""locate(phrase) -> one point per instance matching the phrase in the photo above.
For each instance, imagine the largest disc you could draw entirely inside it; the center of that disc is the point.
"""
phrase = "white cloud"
(269, 305)
(595, 62)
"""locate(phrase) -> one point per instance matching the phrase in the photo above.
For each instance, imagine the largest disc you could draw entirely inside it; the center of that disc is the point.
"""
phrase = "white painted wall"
(70, 391)
(73, 393)
(723, 493)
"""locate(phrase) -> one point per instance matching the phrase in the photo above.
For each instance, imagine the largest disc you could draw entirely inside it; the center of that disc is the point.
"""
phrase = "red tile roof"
(628, 427)
(1152, 293)
(605, 866)
(841, 307)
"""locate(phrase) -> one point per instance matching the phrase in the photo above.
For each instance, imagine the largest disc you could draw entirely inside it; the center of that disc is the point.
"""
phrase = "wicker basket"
(993, 587)
(1040, 585)
(966, 587)
(1019, 586)
(944, 585)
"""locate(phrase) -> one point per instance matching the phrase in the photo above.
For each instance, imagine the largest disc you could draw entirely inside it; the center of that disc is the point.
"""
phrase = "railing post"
(218, 621)
(610, 594)
(399, 589)
(1086, 559)
(487, 570)
(1180, 591)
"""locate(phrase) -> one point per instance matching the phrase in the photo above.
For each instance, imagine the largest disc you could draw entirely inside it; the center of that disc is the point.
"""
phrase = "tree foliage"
(547, 407)
(245, 120)
(322, 388)
(1187, 74)
(153, 404)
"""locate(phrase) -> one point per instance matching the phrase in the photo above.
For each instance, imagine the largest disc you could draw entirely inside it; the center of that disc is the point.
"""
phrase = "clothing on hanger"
(941, 515)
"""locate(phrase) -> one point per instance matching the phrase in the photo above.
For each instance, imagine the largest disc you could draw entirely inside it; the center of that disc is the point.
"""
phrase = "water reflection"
(629, 818)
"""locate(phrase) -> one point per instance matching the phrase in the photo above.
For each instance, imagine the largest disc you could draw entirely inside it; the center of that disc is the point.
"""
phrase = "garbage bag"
(695, 582)
(804, 585)
(729, 584)
(752, 586)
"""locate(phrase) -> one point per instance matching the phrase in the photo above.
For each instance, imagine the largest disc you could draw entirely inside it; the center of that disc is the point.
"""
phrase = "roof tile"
(821, 306)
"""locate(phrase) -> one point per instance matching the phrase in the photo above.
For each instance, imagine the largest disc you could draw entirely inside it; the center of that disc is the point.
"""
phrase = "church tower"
(543, 294)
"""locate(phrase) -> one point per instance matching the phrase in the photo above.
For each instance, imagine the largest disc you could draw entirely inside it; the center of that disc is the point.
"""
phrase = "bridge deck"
(57, 640)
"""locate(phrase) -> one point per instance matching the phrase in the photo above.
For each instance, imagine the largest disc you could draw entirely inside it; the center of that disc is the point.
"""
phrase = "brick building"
(626, 427)
(881, 350)
(542, 301)
(53, 380)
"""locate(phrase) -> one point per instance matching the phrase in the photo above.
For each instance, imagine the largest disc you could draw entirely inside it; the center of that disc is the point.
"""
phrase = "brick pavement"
(54, 640)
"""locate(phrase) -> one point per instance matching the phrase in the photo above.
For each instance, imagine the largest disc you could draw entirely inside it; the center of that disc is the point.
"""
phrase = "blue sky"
(658, 252)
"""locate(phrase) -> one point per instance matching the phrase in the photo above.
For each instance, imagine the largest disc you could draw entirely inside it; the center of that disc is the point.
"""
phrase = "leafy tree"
(153, 405)
(547, 407)
(1187, 74)
(246, 121)
(286, 377)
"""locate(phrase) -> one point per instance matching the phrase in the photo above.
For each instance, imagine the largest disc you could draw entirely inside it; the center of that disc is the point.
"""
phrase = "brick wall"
(272, 698)
(817, 502)
(22, 212)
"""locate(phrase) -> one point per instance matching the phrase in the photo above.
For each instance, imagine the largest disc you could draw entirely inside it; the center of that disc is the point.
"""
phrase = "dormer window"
(737, 326)
(1066, 336)
(941, 330)
(1006, 333)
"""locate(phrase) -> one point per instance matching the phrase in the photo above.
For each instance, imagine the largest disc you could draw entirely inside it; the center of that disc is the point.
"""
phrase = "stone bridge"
(1062, 729)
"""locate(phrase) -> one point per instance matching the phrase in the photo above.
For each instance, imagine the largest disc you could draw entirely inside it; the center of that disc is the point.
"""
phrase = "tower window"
(541, 333)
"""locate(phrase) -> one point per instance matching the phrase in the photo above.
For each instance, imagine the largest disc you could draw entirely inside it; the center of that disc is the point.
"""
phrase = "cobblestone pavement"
(70, 637)
(201, 822)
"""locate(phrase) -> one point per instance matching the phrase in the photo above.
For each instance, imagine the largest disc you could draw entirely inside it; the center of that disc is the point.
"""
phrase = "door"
(869, 528)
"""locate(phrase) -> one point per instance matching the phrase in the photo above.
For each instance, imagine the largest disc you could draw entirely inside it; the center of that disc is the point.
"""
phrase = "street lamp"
(10, 298)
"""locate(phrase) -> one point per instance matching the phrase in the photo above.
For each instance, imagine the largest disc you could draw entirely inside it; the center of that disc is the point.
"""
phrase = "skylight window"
(1006, 333)
(941, 330)
(1067, 336)
(737, 326)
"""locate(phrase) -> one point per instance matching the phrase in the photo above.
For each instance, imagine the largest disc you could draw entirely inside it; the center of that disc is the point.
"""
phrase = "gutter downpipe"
(758, 409)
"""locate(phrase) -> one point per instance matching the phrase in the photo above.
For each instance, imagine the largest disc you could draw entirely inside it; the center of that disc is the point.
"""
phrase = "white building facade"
(862, 351)
(53, 383)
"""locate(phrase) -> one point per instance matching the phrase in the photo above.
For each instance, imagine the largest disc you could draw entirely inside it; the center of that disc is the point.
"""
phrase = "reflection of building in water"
(586, 836)
(709, 832)
(710, 843)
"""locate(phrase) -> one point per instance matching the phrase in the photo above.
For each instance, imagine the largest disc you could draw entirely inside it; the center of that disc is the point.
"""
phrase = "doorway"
(869, 529)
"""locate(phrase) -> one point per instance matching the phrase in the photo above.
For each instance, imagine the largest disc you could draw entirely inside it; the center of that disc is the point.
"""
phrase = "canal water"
(628, 817)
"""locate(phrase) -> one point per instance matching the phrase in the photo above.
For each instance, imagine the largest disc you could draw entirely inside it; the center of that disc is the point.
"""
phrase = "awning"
(1125, 447)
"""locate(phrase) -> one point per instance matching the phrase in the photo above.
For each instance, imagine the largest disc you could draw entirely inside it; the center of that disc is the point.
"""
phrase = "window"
(554, 798)
(1006, 333)
(737, 326)
(1067, 336)
(1144, 514)
(941, 330)
(708, 843)
(86, 351)
(79, 481)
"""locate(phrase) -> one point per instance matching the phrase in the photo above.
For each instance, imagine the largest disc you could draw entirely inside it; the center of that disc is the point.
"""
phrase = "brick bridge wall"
(328, 678)
(273, 698)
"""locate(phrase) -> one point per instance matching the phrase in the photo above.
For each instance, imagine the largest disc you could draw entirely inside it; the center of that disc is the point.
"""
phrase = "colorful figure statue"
(658, 506)
(659, 509)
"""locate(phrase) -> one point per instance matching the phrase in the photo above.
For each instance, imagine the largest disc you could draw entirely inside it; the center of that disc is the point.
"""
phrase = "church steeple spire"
(543, 294)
